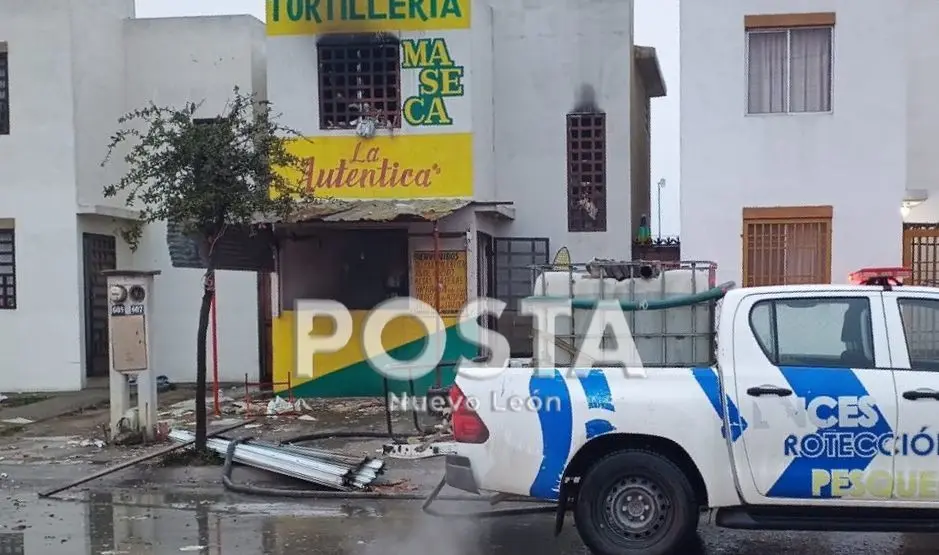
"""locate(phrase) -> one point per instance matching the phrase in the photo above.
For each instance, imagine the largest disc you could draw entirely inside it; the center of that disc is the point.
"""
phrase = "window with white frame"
(789, 70)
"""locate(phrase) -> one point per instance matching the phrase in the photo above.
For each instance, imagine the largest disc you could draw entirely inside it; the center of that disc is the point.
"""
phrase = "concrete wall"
(172, 61)
(640, 121)
(97, 63)
(552, 58)
(853, 158)
(922, 111)
(39, 347)
(73, 72)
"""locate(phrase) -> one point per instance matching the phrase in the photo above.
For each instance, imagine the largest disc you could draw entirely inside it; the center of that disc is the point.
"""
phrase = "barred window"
(7, 269)
(359, 78)
(586, 172)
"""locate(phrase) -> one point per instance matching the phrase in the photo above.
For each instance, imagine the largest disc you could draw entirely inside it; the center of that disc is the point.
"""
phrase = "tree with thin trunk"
(206, 175)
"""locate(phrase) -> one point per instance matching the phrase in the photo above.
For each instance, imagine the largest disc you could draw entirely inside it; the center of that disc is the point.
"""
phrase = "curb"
(78, 407)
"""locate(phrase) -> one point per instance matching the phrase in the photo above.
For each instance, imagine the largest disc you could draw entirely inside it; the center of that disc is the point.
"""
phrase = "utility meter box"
(129, 307)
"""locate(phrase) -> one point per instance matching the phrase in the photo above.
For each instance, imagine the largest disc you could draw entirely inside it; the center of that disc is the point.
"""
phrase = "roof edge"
(647, 63)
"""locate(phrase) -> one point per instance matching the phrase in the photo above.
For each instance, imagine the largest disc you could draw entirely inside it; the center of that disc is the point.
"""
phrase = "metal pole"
(218, 409)
(658, 228)
(437, 286)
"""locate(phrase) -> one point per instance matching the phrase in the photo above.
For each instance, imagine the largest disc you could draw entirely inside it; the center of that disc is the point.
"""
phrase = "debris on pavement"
(397, 486)
(278, 405)
(18, 421)
(86, 443)
(319, 466)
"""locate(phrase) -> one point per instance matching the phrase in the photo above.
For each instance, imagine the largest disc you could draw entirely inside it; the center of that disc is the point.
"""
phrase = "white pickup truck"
(818, 411)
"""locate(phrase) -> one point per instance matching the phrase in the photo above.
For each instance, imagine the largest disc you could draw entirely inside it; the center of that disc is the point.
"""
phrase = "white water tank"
(671, 337)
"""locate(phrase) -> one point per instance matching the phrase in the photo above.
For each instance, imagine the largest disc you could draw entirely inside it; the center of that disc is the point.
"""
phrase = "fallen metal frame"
(325, 468)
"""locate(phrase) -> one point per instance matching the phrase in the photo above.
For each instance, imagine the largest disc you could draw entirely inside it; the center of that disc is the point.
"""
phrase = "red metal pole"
(218, 409)
(437, 286)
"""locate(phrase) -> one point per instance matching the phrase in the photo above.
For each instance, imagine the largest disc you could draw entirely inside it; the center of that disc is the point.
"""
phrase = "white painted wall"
(550, 57)
(922, 110)
(73, 71)
(854, 159)
(171, 61)
(39, 347)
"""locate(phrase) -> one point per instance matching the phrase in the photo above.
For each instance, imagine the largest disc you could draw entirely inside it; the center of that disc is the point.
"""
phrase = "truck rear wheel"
(635, 502)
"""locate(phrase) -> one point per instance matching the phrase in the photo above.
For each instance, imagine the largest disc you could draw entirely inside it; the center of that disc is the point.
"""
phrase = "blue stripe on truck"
(708, 380)
(557, 426)
(809, 383)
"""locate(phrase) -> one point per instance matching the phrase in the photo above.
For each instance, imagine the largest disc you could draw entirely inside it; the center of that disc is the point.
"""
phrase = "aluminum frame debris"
(330, 469)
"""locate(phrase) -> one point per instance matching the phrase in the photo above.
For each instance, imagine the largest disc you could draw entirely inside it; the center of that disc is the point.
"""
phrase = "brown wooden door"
(265, 328)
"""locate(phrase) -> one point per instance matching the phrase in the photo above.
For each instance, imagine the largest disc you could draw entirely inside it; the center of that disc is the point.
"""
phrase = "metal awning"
(380, 210)
(244, 249)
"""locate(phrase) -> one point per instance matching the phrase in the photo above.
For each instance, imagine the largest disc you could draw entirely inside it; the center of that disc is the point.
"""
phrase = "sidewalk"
(57, 405)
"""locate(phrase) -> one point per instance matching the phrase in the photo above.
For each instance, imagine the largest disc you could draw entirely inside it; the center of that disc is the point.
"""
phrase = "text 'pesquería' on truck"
(803, 407)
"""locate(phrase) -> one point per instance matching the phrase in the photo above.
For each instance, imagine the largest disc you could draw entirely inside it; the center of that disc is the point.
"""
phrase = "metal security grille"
(921, 253)
(586, 172)
(359, 79)
(100, 253)
(514, 259)
(7, 269)
(4, 93)
(786, 246)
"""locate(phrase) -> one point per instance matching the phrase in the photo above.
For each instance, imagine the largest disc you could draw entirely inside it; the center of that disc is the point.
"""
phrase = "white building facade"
(512, 128)
(67, 72)
(523, 126)
(807, 136)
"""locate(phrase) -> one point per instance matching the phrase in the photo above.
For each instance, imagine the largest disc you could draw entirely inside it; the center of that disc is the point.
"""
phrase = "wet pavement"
(155, 510)
(134, 523)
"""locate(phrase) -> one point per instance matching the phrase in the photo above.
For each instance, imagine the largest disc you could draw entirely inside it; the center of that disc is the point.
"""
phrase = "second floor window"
(789, 70)
(586, 172)
(4, 91)
(359, 78)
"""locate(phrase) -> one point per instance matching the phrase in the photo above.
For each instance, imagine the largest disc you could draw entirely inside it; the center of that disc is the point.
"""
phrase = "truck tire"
(635, 501)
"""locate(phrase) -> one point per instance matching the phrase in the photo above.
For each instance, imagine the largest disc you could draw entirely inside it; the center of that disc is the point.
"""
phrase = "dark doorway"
(485, 273)
(100, 254)
(265, 329)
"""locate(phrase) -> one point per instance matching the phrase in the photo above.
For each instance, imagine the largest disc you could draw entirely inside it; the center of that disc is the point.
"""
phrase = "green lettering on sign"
(318, 11)
(439, 78)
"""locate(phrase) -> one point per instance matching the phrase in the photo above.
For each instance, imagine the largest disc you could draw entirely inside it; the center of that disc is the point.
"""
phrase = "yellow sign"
(452, 273)
(314, 17)
(406, 166)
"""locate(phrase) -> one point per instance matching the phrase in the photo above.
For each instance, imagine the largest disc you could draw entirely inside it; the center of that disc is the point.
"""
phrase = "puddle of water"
(157, 523)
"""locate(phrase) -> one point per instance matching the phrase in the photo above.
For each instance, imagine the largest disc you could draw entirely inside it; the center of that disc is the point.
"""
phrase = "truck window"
(827, 332)
(921, 327)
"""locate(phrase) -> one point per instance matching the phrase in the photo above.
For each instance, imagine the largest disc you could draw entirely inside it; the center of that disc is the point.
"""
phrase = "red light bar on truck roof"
(880, 276)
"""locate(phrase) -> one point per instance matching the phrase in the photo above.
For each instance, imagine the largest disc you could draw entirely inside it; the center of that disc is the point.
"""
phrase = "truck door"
(913, 321)
(813, 381)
